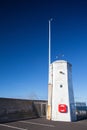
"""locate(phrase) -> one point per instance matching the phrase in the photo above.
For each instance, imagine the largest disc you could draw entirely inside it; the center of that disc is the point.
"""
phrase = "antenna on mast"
(50, 41)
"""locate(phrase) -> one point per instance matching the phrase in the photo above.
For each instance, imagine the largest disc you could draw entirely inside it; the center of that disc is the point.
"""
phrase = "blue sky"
(24, 45)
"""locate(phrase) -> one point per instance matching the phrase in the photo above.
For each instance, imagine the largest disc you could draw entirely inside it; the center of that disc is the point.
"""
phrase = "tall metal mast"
(49, 77)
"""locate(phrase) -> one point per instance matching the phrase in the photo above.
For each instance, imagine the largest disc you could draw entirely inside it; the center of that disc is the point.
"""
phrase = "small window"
(61, 72)
(61, 86)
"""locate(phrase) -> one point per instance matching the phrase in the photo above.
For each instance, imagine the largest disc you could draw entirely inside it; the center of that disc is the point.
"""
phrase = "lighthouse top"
(61, 61)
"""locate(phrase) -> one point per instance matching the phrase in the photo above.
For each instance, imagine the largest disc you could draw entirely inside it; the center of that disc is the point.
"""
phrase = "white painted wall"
(50, 86)
(61, 72)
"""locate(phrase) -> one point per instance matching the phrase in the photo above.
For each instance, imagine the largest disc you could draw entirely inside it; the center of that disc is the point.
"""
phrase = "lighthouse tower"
(62, 98)
(61, 106)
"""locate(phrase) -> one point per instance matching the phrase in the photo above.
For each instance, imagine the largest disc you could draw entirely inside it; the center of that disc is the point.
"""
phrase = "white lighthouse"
(61, 106)
(62, 103)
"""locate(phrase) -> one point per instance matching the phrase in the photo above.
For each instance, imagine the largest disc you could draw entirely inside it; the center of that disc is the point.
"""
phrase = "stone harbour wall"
(16, 109)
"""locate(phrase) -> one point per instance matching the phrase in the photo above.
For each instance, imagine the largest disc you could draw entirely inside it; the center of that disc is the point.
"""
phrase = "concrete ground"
(43, 124)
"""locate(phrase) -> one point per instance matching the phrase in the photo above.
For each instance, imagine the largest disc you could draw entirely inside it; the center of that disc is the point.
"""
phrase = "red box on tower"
(62, 108)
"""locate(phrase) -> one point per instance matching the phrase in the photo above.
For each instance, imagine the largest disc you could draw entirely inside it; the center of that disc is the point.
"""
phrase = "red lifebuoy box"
(62, 108)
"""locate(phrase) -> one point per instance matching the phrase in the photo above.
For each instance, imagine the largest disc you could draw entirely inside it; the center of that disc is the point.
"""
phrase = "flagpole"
(49, 78)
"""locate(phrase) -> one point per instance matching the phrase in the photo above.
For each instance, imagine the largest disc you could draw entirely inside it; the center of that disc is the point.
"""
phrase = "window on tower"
(61, 86)
(61, 72)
